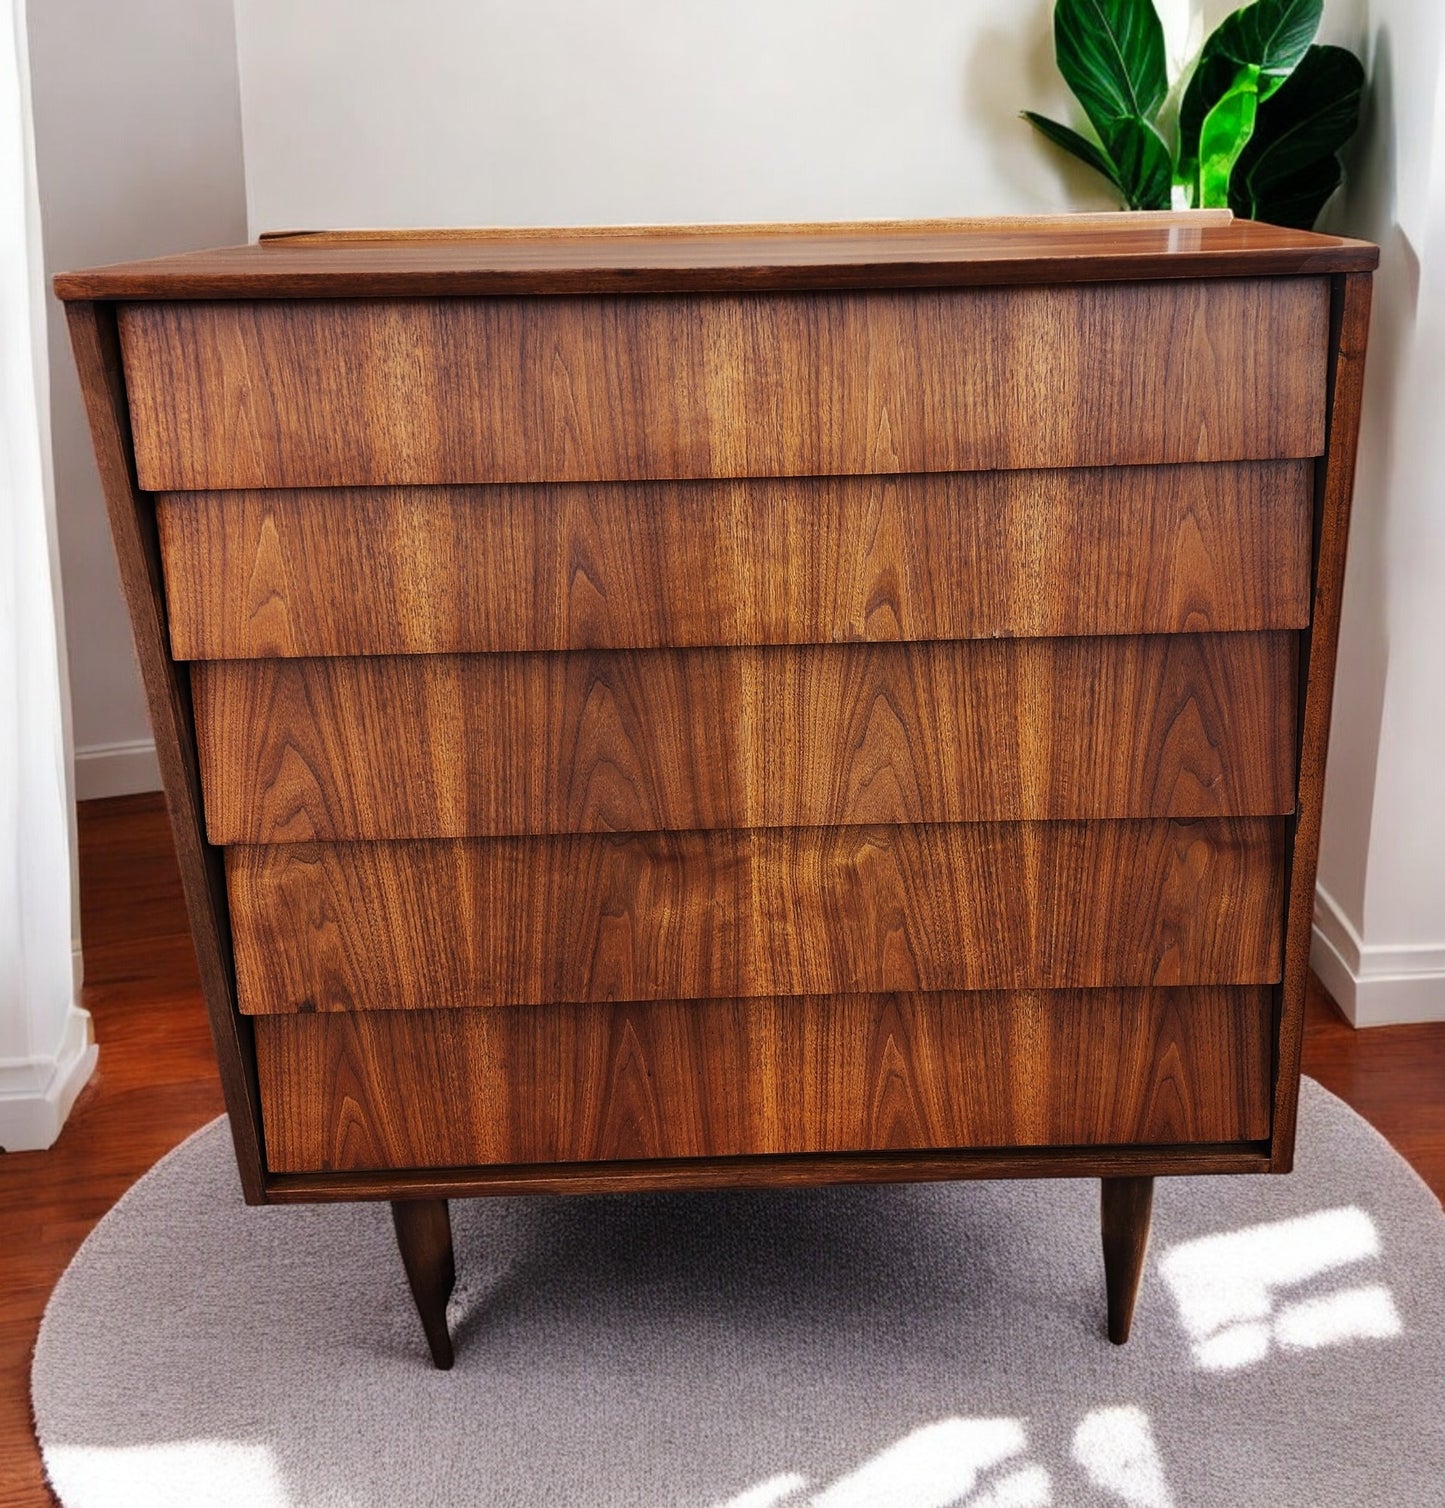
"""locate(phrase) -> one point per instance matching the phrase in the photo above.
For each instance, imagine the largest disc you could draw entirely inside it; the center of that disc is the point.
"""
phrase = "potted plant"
(1258, 127)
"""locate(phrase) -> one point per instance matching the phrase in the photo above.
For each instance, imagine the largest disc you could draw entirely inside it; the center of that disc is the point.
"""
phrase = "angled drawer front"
(801, 560)
(721, 1078)
(325, 393)
(441, 746)
(384, 926)
(697, 726)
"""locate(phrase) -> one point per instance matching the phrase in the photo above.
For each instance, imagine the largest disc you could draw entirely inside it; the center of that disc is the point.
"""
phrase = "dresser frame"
(419, 1196)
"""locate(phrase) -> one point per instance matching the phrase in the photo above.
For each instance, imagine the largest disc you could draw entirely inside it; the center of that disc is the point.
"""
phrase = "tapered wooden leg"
(424, 1234)
(1125, 1207)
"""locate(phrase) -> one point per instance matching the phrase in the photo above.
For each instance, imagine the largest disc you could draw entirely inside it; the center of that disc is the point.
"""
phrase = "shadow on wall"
(1367, 206)
(1011, 68)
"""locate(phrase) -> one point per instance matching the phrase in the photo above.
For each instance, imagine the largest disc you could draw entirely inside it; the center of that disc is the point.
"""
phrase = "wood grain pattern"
(721, 1078)
(372, 926)
(642, 565)
(656, 259)
(133, 530)
(1334, 491)
(358, 384)
(338, 392)
(662, 740)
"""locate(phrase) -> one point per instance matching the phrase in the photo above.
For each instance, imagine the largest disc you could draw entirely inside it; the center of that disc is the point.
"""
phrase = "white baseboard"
(1375, 985)
(116, 769)
(36, 1093)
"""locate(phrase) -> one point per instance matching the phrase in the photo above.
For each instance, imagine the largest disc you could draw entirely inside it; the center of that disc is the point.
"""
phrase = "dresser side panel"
(133, 531)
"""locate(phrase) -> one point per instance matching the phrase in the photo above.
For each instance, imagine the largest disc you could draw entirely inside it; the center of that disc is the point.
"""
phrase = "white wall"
(444, 112)
(1380, 919)
(138, 147)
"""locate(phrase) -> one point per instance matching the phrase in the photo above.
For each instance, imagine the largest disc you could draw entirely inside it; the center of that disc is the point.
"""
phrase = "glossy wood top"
(884, 254)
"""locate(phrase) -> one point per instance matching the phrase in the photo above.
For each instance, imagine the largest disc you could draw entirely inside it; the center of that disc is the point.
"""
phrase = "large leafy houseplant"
(1259, 125)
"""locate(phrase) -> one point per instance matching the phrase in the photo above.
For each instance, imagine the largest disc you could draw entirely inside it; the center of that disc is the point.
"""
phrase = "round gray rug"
(914, 1346)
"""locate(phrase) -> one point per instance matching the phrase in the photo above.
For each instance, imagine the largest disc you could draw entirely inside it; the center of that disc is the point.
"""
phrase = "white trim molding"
(1374, 984)
(120, 769)
(47, 1050)
(36, 1093)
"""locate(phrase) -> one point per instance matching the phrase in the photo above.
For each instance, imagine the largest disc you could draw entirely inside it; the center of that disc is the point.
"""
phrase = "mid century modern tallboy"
(695, 708)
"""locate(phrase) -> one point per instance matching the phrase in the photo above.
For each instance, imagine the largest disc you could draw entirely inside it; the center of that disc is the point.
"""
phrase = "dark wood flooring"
(156, 1083)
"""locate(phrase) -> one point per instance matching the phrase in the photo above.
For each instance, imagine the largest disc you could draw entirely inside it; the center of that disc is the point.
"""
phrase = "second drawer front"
(722, 1078)
(635, 741)
(500, 921)
(796, 560)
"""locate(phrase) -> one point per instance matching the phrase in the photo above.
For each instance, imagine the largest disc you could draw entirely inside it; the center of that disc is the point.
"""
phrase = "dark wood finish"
(933, 351)
(512, 921)
(1126, 1206)
(137, 548)
(730, 1078)
(336, 392)
(641, 565)
(663, 740)
(424, 1238)
(773, 1171)
(1334, 488)
(662, 259)
(157, 1083)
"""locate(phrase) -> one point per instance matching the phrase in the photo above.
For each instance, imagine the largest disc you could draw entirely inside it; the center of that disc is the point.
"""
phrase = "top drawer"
(325, 392)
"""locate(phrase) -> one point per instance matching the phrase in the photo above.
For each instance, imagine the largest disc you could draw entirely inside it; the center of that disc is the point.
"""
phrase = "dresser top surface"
(729, 258)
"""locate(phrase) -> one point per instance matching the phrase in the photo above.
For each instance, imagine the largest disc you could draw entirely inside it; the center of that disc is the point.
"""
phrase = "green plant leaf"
(1208, 84)
(1111, 54)
(1071, 141)
(1295, 201)
(1271, 35)
(1289, 167)
(1224, 135)
(1142, 161)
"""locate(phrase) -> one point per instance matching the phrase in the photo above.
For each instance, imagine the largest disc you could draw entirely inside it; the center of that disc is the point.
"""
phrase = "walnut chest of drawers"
(680, 709)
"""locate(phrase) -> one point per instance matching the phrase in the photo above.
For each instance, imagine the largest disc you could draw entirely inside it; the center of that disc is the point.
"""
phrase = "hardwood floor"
(157, 1083)
(1393, 1075)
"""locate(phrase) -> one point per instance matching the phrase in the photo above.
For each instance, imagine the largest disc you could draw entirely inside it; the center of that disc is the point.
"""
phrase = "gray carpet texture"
(909, 1346)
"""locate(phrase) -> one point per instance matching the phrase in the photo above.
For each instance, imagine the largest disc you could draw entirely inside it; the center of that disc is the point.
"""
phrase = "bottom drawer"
(720, 1078)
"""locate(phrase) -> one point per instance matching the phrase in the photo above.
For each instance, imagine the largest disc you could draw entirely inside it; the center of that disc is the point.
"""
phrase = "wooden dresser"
(679, 709)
